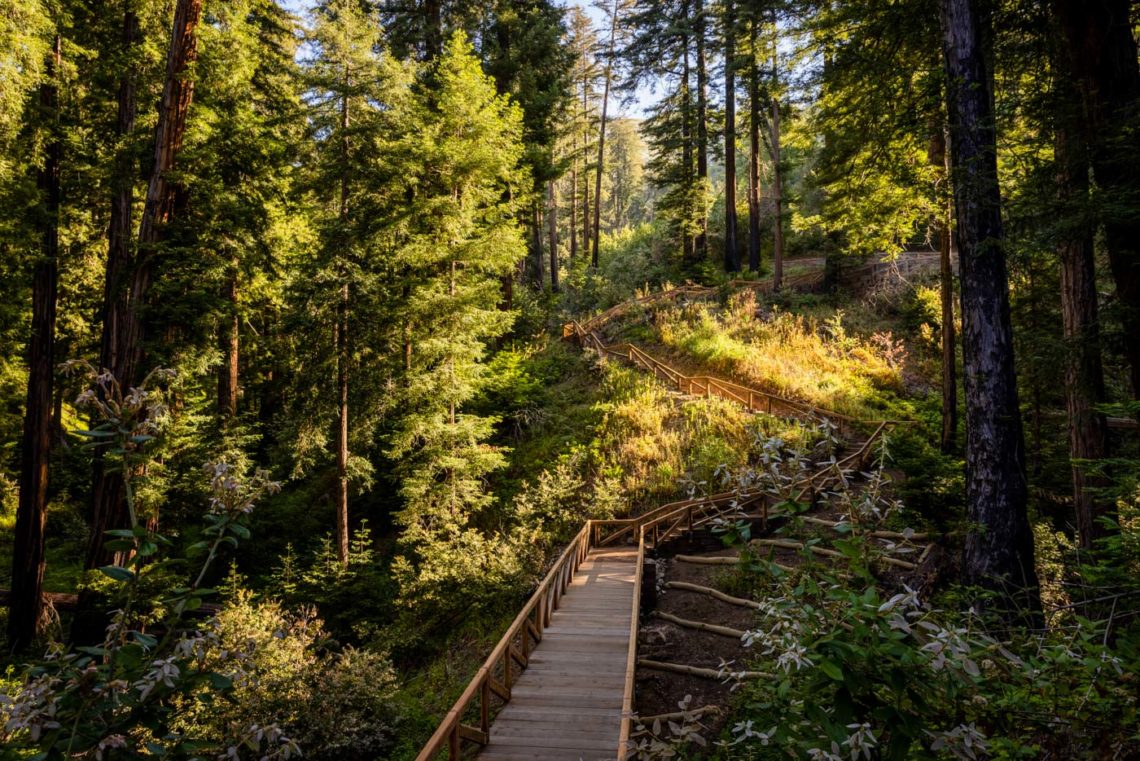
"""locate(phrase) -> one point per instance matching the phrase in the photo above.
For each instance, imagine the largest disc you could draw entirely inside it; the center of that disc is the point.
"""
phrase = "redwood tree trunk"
(124, 313)
(777, 202)
(999, 551)
(26, 601)
(731, 255)
(688, 240)
(701, 245)
(753, 150)
(1102, 56)
(1084, 374)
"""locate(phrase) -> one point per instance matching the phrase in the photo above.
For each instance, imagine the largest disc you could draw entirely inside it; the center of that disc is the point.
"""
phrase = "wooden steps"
(567, 704)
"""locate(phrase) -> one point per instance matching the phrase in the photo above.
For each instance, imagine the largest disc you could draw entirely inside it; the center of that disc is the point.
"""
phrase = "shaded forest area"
(288, 430)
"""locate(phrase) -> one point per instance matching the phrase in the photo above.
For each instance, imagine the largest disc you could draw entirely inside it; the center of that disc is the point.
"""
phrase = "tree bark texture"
(688, 240)
(731, 255)
(999, 551)
(1102, 55)
(699, 27)
(26, 600)
(753, 149)
(777, 201)
(124, 312)
(1084, 373)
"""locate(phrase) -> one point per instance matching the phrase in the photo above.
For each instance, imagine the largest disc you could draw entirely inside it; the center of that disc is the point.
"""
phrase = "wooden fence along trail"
(559, 684)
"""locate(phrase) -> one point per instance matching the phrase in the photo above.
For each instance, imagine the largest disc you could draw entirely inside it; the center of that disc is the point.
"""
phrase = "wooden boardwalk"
(567, 704)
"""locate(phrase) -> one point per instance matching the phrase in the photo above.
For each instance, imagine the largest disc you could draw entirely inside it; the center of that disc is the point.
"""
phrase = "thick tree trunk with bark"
(940, 158)
(731, 255)
(125, 311)
(699, 27)
(26, 599)
(1102, 56)
(1084, 373)
(999, 551)
(552, 228)
(753, 149)
(602, 134)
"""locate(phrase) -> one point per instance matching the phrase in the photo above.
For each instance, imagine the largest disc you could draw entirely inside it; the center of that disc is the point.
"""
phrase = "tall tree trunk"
(699, 28)
(107, 489)
(688, 240)
(229, 337)
(602, 133)
(731, 255)
(109, 510)
(999, 551)
(574, 201)
(1102, 55)
(26, 601)
(777, 200)
(122, 201)
(585, 164)
(1084, 373)
(342, 350)
(753, 148)
(537, 254)
(342, 358)
(940, 158)
(552, 222)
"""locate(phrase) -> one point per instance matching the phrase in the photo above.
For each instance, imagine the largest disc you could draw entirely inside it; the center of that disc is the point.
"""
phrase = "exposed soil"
(659, 692)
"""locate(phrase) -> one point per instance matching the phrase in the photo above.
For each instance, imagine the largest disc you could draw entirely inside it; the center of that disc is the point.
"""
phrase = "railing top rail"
(440, 738)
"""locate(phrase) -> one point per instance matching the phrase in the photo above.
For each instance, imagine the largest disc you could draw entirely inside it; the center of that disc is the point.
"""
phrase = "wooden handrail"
(543, 602)
(631, 655)
(709, 385)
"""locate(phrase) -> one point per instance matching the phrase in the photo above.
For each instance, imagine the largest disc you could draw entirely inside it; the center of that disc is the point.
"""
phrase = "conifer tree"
(458, 238)
(349, 78)
(28, 560)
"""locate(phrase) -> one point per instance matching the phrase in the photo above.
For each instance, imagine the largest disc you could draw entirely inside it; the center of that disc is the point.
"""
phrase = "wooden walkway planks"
(567, 704)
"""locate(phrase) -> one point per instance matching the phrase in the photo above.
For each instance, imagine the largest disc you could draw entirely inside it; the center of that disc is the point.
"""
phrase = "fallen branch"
(698, 560)
(723, 631)
(790, 545)
(721, 560)
(696, 713)
(680, 668)
(877, 534)
(712, 593)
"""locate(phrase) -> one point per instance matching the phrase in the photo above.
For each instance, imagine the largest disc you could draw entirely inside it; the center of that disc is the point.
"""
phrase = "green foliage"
(332, 704)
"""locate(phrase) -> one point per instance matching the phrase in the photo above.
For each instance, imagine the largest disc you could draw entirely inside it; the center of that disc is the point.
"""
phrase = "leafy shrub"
(333, 705)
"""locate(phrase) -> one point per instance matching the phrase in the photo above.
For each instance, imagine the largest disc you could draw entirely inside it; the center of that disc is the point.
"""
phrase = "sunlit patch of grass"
(804, 358)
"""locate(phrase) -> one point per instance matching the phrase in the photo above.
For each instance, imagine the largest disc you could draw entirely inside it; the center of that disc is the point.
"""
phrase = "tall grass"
(805, 358)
